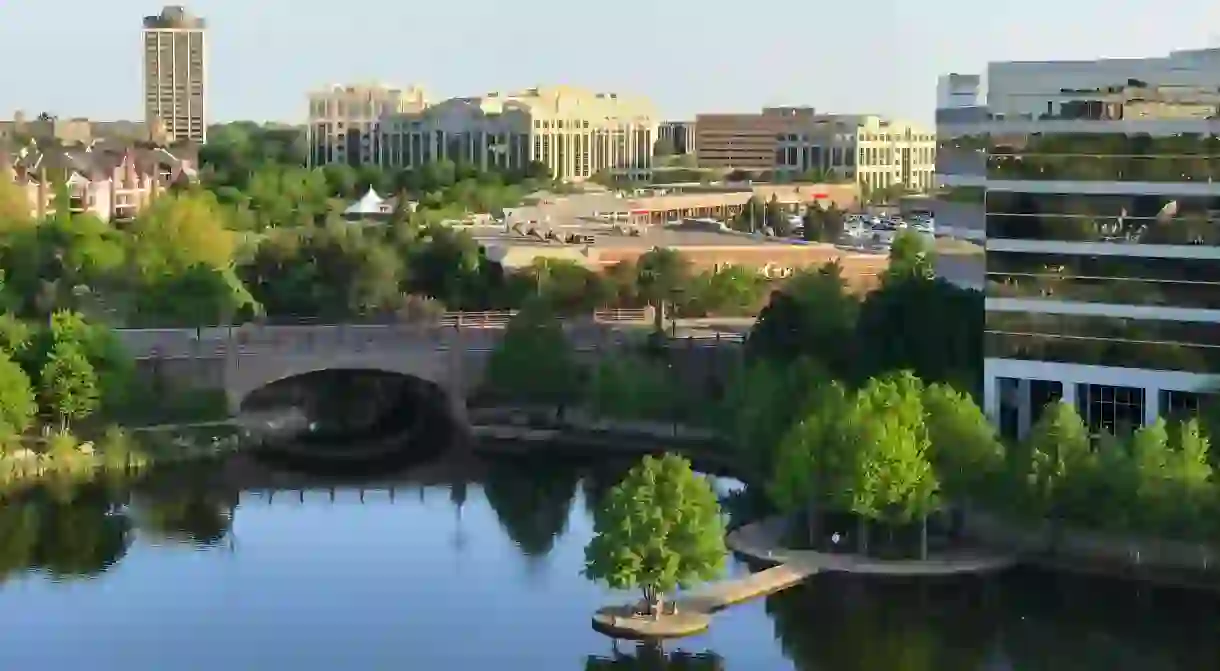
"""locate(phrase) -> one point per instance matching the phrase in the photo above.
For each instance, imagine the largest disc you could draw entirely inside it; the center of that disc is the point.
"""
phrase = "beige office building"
(575, 133)
(175, 74)
(343, 120)
(788, 142)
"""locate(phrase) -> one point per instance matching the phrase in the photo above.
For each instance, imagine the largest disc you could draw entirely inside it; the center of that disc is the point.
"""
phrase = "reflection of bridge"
(449, 354)
(331, 494)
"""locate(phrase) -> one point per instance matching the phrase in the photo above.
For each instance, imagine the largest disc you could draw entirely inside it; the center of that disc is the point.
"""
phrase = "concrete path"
(760, 541)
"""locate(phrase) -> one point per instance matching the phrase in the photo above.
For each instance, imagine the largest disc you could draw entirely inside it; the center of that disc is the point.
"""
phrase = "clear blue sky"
(82, 57)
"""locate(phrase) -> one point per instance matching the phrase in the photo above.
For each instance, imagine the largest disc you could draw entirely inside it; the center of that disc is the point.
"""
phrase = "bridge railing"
(365, 338)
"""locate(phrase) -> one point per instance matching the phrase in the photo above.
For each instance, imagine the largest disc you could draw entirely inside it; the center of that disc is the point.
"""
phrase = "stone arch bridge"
(451, 356)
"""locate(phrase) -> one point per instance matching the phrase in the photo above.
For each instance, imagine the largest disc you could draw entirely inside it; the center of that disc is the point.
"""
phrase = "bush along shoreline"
(61, 454)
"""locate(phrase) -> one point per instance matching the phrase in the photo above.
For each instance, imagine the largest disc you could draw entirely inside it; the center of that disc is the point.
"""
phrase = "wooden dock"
(726, 593)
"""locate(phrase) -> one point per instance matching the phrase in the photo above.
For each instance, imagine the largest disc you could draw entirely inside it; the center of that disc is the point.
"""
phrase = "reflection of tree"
(80, 533)
(533, 500)
(1104, 626)
(864, 627)
(652, 657)
(598, 482)
(191, 516)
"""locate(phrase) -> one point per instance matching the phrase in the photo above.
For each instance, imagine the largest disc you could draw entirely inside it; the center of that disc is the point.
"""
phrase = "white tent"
(369, 203)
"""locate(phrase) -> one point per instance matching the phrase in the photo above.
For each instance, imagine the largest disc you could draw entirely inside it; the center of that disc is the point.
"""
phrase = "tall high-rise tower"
(175, 74)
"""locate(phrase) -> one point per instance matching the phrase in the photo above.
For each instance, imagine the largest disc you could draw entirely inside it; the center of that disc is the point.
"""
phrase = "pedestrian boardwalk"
(725, 593)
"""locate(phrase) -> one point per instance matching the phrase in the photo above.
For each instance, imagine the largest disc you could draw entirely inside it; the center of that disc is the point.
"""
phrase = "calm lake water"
(477, 566)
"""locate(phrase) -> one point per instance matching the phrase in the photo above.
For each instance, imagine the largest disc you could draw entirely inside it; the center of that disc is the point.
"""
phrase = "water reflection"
(330, 578)
(1025, 621)
(71, 529)
(532, 498)
(652, 657)
(63, 529)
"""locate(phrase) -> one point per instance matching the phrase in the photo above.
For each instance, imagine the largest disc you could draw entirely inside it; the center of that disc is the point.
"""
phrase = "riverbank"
(1159, 562)
(117, 449)
(519, 430)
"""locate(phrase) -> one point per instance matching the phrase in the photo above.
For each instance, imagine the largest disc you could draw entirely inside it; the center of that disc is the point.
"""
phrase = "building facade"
(175, 74)
(574, 133)
(110, 181)
(343, 120)
(678, 136)
(77, 131)
(874, 152)
(1098, 189)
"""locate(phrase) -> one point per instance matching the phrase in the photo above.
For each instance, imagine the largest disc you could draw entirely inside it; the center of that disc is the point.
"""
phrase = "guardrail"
(219, 350)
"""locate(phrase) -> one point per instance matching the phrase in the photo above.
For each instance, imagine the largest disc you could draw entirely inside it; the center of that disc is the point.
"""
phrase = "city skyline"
(897, 50)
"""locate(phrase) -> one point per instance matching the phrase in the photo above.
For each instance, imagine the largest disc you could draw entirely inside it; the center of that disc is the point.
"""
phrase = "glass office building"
(1096, 186)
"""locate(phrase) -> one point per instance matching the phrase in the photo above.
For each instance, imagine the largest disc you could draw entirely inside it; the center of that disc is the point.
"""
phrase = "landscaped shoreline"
(159, 445)
(1147, 560)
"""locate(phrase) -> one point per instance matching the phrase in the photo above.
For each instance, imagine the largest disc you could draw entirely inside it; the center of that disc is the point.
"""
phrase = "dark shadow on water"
(70, 530)
(651, 656)
(1022, 621)
(532, 497)
(346, 411)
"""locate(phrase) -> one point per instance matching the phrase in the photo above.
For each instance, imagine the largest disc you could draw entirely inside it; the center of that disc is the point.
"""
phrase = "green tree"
(15, 209)
(1058, 444)
(663, 275)
(1190, 470)
(813, 462)
(893, 479)
(109, 358)
(566, 287)
(534, 361)
(728, 291)
(197, 296)
(813, 224)
(910, 255)
(753, 216)
(17, 404)
(68, 385)
(176, 232)
(941, 328)
(965, 449)
(633, 388)
(776, 218)
(762, 404)
(14, 335)
(812, 316)
(659, 529)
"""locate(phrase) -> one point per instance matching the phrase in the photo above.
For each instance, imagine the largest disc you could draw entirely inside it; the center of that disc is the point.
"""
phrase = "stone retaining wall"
(1091, 546)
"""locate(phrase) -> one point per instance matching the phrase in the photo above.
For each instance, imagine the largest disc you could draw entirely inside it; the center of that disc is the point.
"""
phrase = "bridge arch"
(248, 374)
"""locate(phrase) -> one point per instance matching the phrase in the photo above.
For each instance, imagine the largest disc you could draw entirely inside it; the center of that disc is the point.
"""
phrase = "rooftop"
(174, 16)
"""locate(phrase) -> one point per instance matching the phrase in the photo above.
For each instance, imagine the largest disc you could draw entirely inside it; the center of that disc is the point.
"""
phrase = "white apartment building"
(575, 133)
(1096, 187)
(343, 120)
(175, 74)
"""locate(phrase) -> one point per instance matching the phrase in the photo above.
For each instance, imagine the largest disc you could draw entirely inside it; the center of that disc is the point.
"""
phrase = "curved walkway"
(760, 541)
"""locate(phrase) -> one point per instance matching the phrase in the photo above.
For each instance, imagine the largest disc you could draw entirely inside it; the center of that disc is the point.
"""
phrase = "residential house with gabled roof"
(112, 181)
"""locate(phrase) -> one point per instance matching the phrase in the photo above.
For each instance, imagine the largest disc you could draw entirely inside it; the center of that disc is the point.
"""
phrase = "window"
(1118, 410)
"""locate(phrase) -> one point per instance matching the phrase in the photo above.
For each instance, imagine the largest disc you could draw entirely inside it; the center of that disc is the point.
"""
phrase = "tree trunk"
(812, 523)
(923, 538)
(862, 531)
